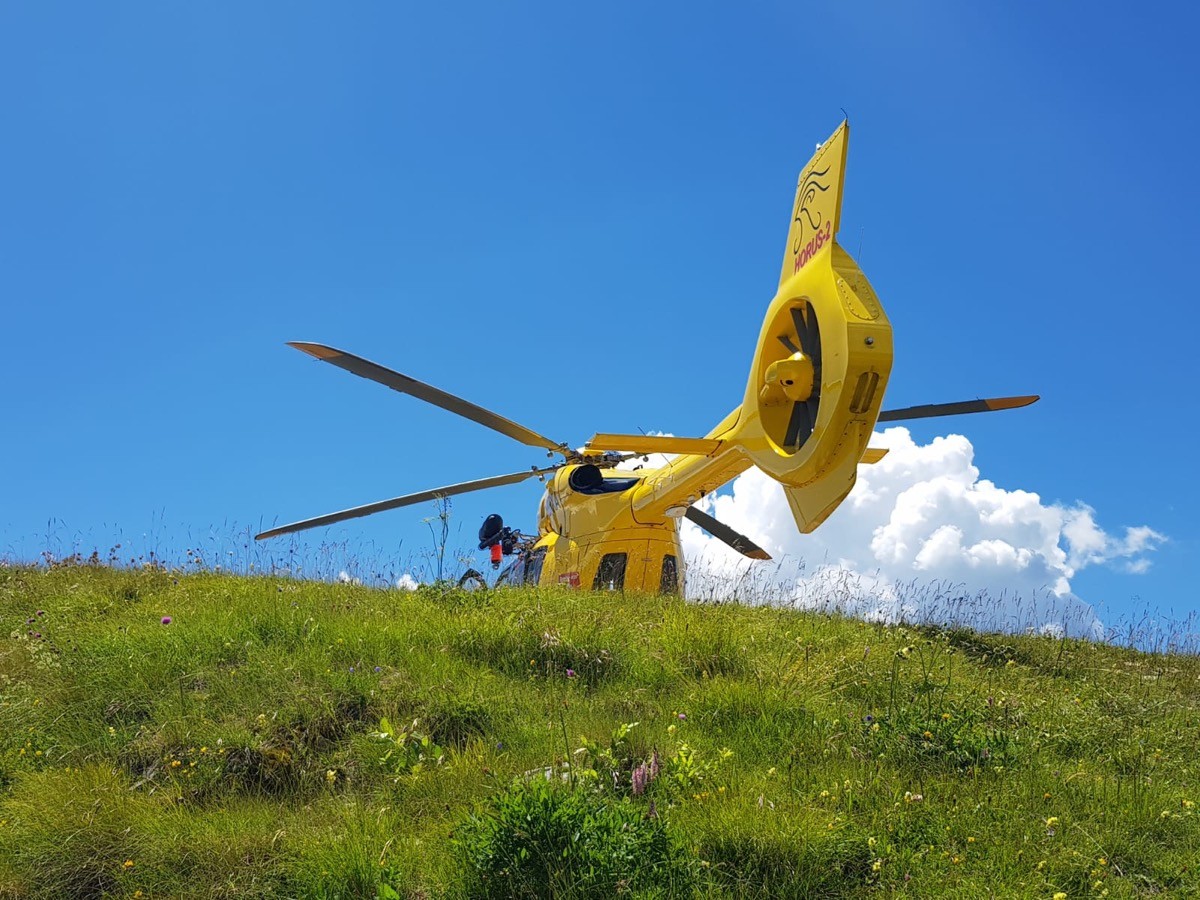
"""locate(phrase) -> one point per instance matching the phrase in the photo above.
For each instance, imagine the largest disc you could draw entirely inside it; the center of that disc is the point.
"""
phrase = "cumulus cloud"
(921, 537)
(407, 583)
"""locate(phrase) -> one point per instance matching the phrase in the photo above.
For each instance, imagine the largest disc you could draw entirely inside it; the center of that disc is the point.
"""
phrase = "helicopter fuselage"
(589, 537)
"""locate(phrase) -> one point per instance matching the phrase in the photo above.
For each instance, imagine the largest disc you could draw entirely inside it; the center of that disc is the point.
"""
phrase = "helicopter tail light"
(497, 555)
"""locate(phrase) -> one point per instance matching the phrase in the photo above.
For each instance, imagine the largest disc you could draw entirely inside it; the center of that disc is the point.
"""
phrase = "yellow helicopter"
(812, 400)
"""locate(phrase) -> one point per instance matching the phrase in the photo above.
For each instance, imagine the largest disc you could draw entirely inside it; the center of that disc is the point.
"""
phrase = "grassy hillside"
(213, 736)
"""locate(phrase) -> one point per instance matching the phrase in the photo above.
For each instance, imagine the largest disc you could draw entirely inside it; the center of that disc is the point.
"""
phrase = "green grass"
(235, 752)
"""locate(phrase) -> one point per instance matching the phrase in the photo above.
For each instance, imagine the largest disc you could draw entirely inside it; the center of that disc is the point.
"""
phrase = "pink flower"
(570, 673)
(166, 620)
(639, 779)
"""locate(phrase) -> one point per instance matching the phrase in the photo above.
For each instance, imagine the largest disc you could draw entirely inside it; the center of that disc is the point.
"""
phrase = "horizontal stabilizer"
(654, 443)
(873, 455)
(956, 409)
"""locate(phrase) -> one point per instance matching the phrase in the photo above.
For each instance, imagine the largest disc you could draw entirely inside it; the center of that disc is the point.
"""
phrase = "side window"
(610, 576)
(668, 582)
(533, 567)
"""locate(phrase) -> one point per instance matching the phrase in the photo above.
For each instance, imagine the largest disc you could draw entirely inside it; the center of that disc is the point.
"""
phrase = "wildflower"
(331, 776)
(1060, 895)
(670, 729)
(946, 717)
(570, 673)
(928, 735)
(379, 668)
(772, 770)
(638, 779)
(877, 865)
(175, 764)
(1102, 861)
(681, 716)
(128, 864)
(166, 620)
(656, 765)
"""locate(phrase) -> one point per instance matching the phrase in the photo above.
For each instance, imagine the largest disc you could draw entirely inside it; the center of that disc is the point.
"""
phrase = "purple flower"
(639, 779)
(570, 673)
(655, 765)
(682, 717)
(379, 668)
(166, 620)
(41, 612)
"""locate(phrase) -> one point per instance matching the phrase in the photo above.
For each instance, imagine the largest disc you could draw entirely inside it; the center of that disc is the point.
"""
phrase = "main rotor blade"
(406, 500)
(722, 532)
(406, 385)
(956, 409)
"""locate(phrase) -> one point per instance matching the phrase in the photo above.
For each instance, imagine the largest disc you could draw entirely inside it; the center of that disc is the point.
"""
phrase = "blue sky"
(575, 216)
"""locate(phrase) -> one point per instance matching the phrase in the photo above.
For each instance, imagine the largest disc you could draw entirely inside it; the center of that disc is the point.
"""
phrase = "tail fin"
(818, 205)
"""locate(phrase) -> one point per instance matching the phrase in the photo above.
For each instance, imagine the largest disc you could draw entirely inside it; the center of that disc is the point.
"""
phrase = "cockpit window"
(514, 573)
(533, 566)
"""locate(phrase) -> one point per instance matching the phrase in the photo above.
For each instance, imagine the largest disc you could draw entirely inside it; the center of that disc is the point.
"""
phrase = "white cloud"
(407, 583)
(345, 577)
(921, 536)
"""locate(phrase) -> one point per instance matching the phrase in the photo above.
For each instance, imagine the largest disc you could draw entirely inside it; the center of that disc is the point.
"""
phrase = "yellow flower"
(128, 864)
(1052, 822)
(331, 776)
(945, 717)
(1102, 861)
(1060, 895)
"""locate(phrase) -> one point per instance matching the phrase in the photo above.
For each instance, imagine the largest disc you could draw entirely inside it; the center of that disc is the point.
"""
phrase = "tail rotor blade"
(956, 409)
(723, 532)
(800, 425)
(364, 368)
(406, 500)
